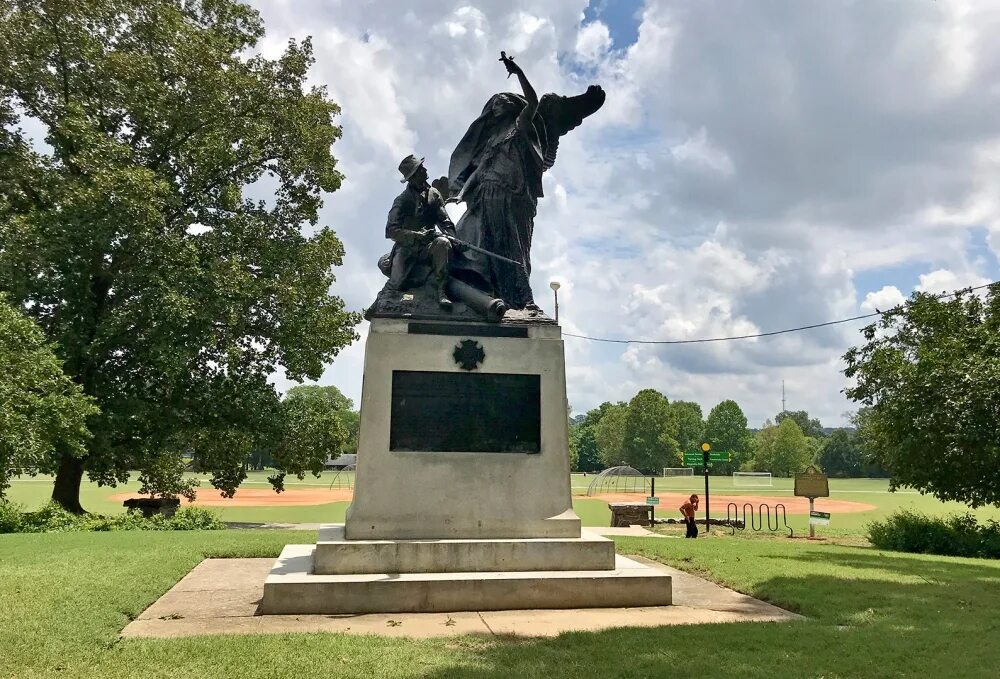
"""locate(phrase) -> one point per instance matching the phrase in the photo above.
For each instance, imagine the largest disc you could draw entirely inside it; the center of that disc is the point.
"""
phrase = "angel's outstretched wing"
(562, 114)
(556, 115)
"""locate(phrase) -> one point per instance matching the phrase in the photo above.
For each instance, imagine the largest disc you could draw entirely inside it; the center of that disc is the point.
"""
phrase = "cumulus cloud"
(593, 42)
(942, 280)
(752, 162)
(882, 300)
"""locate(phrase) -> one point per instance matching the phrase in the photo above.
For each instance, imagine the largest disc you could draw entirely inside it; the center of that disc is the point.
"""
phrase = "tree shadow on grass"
(885, 615)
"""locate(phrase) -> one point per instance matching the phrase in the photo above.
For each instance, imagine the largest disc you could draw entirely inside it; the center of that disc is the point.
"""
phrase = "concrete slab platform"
(630, 531)
(220, 596)
(292, 587)
(336, 555)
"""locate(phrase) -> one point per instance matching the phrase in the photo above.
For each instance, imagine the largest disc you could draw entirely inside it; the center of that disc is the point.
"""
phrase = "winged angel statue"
(497, 171)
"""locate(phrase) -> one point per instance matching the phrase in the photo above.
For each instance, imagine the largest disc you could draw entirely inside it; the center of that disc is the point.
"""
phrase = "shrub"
(52, 518)
(196, 518)
(955, 535)
(11, 516)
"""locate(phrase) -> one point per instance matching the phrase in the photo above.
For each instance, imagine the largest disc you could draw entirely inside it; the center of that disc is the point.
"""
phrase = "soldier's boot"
(443, 300)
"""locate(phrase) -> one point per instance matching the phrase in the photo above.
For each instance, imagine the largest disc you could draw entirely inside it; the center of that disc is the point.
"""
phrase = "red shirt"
(687, 509)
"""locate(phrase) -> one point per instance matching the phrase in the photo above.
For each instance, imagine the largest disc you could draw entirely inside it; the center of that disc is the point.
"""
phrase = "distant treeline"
(650, 432)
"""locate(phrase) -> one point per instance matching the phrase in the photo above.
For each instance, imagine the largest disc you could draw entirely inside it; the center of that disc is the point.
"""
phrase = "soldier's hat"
(408, 166)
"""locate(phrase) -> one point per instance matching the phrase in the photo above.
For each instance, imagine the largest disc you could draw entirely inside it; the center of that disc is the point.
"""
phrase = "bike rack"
(757, 522)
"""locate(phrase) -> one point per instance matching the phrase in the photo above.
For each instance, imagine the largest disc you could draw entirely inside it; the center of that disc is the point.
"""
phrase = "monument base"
(293, 587)
(462, 500)
(336, 555)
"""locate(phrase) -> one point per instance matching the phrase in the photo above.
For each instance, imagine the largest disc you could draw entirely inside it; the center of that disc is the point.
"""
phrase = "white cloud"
(593, 42)
(942, 280)
(698, 151)
(882, 300)
(752, 160)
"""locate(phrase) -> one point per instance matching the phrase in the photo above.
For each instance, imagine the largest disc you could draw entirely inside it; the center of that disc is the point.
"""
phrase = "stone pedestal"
(481, 492)
(462, 496)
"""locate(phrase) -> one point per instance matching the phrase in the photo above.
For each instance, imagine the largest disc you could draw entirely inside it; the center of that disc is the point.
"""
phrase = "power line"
(774, 332)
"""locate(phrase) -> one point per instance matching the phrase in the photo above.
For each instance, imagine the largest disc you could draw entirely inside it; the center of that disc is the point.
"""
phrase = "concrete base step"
(336, 555)
(292, 588)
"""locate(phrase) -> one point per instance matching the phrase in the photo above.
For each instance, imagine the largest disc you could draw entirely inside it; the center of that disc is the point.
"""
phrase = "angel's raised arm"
(529, 92)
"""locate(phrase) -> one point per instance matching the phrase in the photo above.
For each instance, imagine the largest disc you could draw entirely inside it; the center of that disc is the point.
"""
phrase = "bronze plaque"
(465, 412)
(812, 483)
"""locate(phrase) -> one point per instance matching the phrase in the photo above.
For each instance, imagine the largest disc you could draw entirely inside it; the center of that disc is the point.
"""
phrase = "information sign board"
(812, 483)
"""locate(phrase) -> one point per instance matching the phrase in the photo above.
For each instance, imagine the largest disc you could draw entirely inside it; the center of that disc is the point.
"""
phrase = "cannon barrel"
(488, 306)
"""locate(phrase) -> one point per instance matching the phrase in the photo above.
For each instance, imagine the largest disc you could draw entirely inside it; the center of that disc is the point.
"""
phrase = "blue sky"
(622, 18)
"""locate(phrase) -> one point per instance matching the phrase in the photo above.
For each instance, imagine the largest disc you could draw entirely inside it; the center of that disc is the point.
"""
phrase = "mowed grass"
(34, 492)
(868, 491)
(65, 597)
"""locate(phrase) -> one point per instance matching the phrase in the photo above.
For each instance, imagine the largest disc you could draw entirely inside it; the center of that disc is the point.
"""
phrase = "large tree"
(781, 449)
(609, 434)
(584, 447)
(41, 409)
(841, 455)
(690, 425)
(929, 374)
(313, 429)
(132, 235)
(649, 436)
(726, 430)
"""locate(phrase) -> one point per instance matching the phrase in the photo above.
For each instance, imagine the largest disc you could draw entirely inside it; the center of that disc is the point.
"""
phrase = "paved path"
(220, 596)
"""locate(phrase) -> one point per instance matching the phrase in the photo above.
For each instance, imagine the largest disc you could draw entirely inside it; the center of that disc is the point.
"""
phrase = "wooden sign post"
(812, 483)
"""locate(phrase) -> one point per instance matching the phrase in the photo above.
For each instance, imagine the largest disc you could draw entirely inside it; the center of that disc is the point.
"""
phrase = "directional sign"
(652, 500)
(819, 518)
(721, 456)
(693, 459)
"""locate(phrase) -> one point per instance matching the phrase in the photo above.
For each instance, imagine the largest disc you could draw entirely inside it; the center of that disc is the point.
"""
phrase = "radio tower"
(783, 409)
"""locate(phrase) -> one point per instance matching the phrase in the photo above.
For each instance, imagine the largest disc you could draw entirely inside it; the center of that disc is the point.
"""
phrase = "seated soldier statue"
(417, 226)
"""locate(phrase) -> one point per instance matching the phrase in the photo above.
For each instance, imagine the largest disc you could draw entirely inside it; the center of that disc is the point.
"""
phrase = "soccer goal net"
(678, 471)
(751, 479)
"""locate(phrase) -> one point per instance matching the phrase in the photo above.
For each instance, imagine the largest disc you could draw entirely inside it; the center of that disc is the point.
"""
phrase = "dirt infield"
(261, 497)
(265, 497)
(793, 505)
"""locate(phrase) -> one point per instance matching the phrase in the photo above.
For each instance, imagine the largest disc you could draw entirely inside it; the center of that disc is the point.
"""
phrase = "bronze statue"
(484, 263)
(497, 171)
(419, 228)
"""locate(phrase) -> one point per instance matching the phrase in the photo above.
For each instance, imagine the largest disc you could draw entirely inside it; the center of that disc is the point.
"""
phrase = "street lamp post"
(555, 291)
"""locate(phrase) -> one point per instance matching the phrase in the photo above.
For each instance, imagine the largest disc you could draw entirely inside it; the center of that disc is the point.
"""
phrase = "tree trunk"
(66, 490)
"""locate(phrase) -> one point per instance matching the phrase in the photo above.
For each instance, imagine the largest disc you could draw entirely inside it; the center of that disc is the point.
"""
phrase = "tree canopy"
(649, 434)
(133, 237)
(610, 434)
(809, 426)
(929, 374)
(585, 451)
(726, 430)
(690, 425)
(41, 409)
(841, 455)
(313, 429)
(781, 449)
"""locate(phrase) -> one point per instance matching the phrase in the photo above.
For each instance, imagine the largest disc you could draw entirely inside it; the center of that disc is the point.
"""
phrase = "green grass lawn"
(65, 597)
(33, 492)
